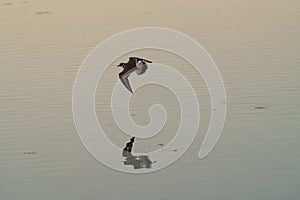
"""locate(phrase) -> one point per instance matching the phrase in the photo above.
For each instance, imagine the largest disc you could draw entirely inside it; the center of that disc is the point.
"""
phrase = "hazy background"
(256, 45)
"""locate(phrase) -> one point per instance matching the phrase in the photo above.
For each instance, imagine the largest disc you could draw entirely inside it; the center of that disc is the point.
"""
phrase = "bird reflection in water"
(137, 162)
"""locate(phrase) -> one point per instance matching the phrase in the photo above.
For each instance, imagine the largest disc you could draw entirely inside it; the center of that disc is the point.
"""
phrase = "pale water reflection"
(138, 162)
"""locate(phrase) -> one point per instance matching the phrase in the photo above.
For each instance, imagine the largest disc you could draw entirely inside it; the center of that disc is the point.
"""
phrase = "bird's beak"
(148, 61)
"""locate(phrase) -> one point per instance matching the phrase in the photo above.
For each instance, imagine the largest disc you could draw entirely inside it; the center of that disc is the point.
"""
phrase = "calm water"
(256, 46)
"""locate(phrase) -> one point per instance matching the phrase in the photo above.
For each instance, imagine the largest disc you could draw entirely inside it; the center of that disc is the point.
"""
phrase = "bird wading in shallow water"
(134, 64)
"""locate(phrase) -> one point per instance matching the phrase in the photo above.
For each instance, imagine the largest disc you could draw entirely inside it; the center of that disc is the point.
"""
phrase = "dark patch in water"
(29, 152)
(162, 146)
(43, 13)
(260, 107)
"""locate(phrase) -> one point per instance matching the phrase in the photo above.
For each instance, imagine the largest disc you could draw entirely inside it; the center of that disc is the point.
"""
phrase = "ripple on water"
(259, 107)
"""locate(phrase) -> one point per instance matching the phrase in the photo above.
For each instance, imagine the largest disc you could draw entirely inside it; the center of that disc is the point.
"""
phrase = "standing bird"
(134, 64)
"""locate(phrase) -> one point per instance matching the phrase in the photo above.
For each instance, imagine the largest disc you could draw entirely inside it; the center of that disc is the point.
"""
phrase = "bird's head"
(121, 65)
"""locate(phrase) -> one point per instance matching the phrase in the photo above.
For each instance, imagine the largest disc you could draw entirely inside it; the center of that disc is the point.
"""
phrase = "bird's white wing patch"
(141, 69)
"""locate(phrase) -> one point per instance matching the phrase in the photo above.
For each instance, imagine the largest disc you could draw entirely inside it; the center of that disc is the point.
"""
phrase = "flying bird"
(134, 64)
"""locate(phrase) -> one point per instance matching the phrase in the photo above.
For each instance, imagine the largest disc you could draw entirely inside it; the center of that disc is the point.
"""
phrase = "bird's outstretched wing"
(126, 83)
(124, 79)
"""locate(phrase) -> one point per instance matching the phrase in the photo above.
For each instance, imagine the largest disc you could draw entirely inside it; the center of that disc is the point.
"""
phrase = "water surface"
(256, 46)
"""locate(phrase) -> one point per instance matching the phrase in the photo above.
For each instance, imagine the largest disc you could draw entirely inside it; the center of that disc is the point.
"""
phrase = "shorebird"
(134, 64)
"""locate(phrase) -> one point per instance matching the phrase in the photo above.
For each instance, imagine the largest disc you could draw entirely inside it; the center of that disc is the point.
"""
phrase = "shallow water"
(256, 46)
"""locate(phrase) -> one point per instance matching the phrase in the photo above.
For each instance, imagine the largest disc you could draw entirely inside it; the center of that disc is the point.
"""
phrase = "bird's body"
(139, 65)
